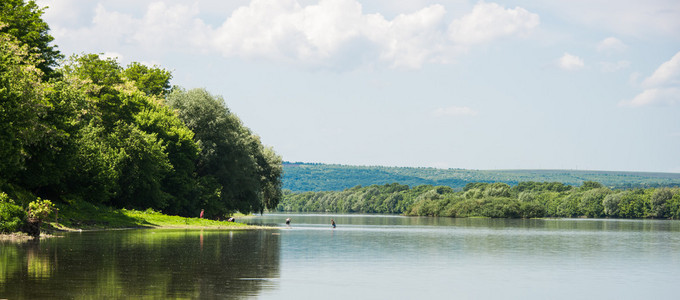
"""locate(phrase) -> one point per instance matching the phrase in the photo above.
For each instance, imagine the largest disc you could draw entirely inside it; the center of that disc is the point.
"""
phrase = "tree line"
(494, 200)
(85, 128)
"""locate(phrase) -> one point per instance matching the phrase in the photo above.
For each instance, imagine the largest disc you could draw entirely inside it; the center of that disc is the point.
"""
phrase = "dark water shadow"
(141, 264)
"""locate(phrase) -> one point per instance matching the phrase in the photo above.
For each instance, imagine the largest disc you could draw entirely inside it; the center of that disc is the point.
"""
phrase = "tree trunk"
(32, 227)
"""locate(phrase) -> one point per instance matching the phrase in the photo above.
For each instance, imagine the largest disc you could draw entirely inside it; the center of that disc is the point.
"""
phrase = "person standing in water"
(333, 223)
(288, 221)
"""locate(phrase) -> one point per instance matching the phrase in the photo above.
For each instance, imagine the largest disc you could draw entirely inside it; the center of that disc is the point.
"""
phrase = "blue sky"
(588, 85)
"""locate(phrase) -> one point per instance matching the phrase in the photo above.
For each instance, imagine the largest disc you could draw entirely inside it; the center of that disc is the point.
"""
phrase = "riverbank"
(86, 216)
(83, 216)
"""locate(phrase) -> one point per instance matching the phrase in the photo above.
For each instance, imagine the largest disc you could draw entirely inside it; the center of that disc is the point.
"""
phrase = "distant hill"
(302, 177)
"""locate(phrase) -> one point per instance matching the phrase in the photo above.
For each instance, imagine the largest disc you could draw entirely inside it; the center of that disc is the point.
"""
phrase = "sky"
(524, 84)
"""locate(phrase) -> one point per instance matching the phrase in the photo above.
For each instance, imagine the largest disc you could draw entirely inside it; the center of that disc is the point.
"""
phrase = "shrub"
(500, 208)
(11, 215)
(40, 209)
(658, 202)
(531, 210)
(611, 203)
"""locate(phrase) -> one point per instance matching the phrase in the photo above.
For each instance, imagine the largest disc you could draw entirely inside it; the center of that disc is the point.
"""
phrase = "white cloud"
(667, 74)
(611, 44)
(414, 39)
(314, 33)
(668, 96)
(489, 21)
(286, 30)
(160, 29)
(570, 62)
(332, 33)
(662, 87)
(454, 111)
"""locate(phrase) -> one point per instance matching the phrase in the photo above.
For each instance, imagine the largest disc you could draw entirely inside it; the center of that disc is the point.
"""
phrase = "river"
(365, 257)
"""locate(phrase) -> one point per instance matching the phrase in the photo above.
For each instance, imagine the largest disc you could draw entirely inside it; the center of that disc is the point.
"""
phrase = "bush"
(12, 217)
(40, 209)
(531, 210)
(500, 208)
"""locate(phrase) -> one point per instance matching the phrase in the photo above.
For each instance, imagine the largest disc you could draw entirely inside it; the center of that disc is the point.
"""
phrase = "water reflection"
(366, 256)
(141, 263)
(394, 221)
(404, 257)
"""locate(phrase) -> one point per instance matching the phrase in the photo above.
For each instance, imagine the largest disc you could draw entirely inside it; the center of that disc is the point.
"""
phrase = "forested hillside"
(302, 177)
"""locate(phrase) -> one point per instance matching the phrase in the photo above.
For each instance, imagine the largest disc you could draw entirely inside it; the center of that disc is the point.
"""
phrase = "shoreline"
(54, 233)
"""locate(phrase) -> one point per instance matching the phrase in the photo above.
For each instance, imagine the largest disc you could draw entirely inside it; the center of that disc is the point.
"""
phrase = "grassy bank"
(86, 216)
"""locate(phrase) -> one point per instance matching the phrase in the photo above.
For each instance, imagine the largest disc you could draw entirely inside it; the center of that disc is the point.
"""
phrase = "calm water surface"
(365, 257)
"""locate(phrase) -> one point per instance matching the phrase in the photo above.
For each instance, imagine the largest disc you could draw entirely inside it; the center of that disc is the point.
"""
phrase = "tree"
(133, 150)
(23, 21)
(21, 103)
(659, 199)
(673, 206)
(611, 203)
(592, 202)
(237, 173)
(633, 205)
(49, 158)
(150, 80)
(271, 171)
(12, 216)
(588, 185)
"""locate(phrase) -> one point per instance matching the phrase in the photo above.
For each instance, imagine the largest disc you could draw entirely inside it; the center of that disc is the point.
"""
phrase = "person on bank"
(288, 221)
(333, 223)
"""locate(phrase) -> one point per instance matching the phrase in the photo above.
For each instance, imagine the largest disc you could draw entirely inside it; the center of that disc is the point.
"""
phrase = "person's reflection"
(201, 239)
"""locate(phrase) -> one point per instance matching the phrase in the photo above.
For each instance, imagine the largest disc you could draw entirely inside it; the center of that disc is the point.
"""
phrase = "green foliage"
(634, 205)
(21, 104)
(142, 166)
(237, 172)
(659, 200)
(130, 149)
(389, 198)
(150, 80)
(492, 200)
(588, 185)
(101, 133)
(23, 21)
(40, 209)
(673, 206)
(533, 186)
(611, 204)
(531, 210)
(12, 216)
(592, 202)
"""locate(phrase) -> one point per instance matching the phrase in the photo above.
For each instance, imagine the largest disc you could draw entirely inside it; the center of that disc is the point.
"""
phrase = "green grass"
(82, 215)
(160, 220)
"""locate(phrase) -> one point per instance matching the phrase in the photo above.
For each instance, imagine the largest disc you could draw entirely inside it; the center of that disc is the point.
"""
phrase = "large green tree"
(21, 104)
(237, 173)
(150, 80)
(132, 150)
(23, 20)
